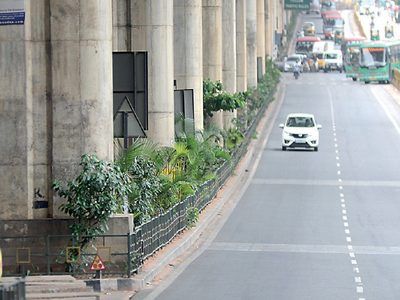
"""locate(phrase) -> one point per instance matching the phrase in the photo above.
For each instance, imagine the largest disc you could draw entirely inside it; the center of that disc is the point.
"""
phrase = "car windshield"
(293, 59)
(300, 122)
(331, 56)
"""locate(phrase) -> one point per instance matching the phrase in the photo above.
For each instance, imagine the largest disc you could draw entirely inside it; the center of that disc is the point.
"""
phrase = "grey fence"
(12, 289)
(45, 255)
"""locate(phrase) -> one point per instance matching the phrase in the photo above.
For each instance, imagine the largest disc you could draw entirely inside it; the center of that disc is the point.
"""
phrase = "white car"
(300, 130)
(291, 61)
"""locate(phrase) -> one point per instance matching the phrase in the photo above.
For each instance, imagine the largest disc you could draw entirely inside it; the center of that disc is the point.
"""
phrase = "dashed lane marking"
(327, 182)
(301, 248)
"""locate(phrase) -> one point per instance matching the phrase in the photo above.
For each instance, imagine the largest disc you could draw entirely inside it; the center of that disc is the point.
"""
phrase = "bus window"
(371, 57)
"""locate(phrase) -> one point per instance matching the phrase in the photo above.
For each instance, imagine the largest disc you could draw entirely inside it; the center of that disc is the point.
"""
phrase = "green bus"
(350, 53)
(378, 60)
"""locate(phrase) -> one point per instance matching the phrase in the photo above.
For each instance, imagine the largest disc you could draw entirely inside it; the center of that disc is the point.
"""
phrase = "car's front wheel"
(316, 149)
(283, 148)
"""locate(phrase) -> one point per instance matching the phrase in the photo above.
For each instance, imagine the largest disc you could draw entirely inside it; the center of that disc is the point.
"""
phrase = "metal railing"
(12, 289)
(47, 257)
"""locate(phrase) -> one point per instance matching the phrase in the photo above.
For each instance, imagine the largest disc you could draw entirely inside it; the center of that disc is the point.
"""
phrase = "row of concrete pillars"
(56, 79)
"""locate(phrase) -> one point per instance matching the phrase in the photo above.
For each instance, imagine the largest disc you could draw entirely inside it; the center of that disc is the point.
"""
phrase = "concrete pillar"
(268, 28)
(20, 116)
(188, 52)
(261, 33)
(241, 46)
(81, 51)
(251, 31)
(152, 31)
(229, 54)
(212, 47)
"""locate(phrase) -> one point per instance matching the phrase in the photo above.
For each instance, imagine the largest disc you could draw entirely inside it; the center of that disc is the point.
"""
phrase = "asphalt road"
(308, 225)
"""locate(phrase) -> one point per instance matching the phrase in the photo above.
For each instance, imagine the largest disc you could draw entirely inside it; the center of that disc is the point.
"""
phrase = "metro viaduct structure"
(73, 65)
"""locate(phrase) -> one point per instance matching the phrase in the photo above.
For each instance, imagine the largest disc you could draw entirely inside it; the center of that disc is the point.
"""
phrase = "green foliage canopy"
(215, 98)
(93, 196)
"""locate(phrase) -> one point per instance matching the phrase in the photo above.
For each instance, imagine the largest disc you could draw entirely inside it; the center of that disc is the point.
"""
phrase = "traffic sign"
(97, 264)
(297, 4)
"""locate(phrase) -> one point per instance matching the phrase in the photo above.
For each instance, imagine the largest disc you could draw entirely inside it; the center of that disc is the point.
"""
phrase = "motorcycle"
(296, 74)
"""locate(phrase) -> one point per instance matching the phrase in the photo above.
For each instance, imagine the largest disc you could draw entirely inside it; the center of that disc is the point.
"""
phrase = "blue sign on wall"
(12, 12)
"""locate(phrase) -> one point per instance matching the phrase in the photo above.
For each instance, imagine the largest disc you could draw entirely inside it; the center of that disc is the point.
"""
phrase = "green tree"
(215, 98)
(93, 196)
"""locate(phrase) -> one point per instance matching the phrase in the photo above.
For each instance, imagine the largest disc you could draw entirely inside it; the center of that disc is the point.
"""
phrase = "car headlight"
(287, 133)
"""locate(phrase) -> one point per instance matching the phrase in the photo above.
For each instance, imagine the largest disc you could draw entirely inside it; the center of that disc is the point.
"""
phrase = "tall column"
(261, 33)
(241, 46)
(81, 60)
(251, 31)
(152, 31)
(188, 52)
(268, 28)
(212, 47)
(229, 54)
(21, 141)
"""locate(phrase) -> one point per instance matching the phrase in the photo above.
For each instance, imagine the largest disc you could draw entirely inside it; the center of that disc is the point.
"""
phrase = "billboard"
(12, 12)
(297, 4)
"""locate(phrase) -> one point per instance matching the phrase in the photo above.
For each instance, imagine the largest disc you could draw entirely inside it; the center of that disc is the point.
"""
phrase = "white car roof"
(300, 115)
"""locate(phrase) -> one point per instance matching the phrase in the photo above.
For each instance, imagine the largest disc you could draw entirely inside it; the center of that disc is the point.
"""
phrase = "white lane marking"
(350, 247)
(338, 164)
(352, 254)
(326, 182)
(356, 270)
(344, 211)
(353, 262)
(347, 231)
(338, 172)
(343, 205)
(346, 224)
(386, 111)
(348, 239)
(357, 279)
(360, 289)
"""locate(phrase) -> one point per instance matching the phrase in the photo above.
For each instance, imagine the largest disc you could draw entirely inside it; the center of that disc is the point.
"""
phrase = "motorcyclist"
(296, 70)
